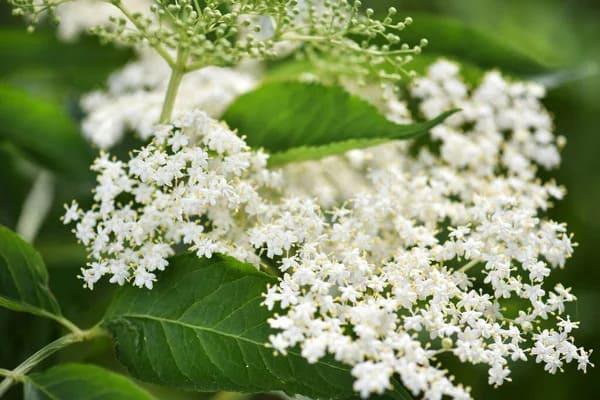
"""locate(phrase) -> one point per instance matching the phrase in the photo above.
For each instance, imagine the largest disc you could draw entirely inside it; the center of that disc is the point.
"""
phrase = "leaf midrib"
(22, 306)
(220, 333)
(41, 388)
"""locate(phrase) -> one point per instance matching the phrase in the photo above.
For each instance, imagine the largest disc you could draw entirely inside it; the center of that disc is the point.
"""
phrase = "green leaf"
(81, 382)
(23, 278)
(83, 64)
(282, 116)
(203, 328)
(44, 131)
(562, 77)
(305, 153)
(455, 39)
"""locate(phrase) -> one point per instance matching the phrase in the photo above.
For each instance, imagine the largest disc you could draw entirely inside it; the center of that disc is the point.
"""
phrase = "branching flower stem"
(18, 374)
(156, 46)
(178, 70)
(68, 324)
(178, 66)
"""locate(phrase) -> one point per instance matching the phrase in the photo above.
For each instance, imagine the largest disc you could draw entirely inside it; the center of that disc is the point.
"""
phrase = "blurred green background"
(564, 34)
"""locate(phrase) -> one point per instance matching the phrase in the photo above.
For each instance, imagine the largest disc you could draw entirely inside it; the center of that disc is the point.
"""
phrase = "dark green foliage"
(23, 277)
(80, 381)
(203, 328)
(44, 131)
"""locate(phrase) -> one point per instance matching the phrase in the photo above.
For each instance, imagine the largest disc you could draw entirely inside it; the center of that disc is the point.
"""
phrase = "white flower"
(135, 95)
(174, 184)
(371, 378)
(72, 213)
(498, 374)
(144, 278)
(120, 273)
(406, 223)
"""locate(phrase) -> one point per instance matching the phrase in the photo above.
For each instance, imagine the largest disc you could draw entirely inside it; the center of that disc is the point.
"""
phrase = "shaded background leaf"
(78, 66)
(44, 131)
(81, 381)
(23, 277)
(452, 37)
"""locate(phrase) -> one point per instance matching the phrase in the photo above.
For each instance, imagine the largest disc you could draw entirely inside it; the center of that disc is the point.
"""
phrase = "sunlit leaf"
(309, 120)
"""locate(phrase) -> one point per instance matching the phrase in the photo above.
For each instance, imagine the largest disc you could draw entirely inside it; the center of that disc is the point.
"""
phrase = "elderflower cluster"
(509, 121)
(410, 253)
(501, 125)
(442, 248)
(195, 184)
(418, 267)
(135, 95)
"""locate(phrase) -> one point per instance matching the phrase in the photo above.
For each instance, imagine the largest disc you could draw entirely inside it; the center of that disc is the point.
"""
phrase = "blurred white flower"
(135, 95)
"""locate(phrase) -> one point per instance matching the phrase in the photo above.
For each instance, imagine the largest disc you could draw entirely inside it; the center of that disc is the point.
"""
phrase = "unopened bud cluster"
(338, 35)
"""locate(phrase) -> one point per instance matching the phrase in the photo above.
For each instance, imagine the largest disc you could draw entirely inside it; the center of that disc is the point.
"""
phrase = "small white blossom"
(72, 213)
(173, 184)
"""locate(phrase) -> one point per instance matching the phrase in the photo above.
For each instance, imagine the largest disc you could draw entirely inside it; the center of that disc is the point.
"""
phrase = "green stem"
(270, 269)
(69, 325)
(177, 72)
(229, 396)
(156, 46)
(4, 302)
(468, 265)
(18, 374)
(193, 66)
